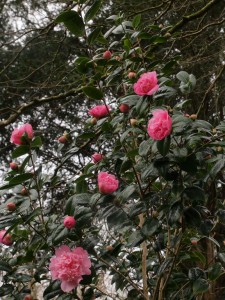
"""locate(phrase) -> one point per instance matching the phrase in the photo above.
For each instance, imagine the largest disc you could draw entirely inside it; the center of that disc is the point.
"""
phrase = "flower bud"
(62, 139)
(28, 297)
(124, 108)
(5, 239)
(194, 241)
(93, 121)
(193, 117)
(109, 248)
(219, 149)
(14, 166)
(107, 54)
(69, 222)
(24, 191)
(96, 157)
(11, 206)
(133, 122)
(131, 75)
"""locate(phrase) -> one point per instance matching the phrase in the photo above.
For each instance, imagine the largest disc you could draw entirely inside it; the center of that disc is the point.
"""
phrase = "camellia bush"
(146, 212)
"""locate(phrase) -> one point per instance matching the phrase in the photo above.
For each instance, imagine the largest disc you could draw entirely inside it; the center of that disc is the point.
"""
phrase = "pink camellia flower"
(160, 125)
(68, 265)
(107, 183)
(99, 111)
(96, 157)
(69, 222)
(19, 132)
(5, 239)
(147, 84)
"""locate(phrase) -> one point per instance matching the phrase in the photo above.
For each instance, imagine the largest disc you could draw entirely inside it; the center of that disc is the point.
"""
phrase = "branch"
(194, 16)
(210, 88)
(36, 102)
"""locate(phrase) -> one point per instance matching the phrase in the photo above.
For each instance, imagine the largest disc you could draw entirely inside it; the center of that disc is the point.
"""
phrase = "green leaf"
(183, 76)
(136, 21)
(216, 168)
(165, 265)
(163, 146)
(150, 226)
(127, 192)
(93, 35)
(73, 22)
(78, 199)
(194, 193)
(200, 286)
(145, 147)
(21, 150)
(195, 273)
(58, 234)
(215, 271)
(4, 266)
(21, 178)
(52, 290)
(37, 142)
(6, 289)
(117, 219)
(93, 92)
(175, 212)
(192, 217)
(92, 11)
(31, 216)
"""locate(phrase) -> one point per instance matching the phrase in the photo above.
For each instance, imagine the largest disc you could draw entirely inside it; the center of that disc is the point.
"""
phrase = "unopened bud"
(14, 166)
(24, 191)
(131, 75)
(193, 116)
(62, 139)
(109, 248)
(93, 121)
(133, 122)
(107, 54)
(11, 206)
(124, 108)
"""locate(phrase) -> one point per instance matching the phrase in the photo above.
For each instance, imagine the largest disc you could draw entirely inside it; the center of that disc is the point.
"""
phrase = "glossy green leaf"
(73, 22)
(150, 226)
(175, 213)
(36, 143)
(93, 92)
(93, 35)
(136, 21)
(200, 286)
(52, 290)
(21, 178)
(21, 150)
(163, 146)
(92, 11)
(215, 271)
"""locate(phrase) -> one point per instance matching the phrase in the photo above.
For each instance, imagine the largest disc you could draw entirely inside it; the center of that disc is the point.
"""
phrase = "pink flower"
(97, 157)
(19, 132)
(68, 265)
(99, 111)
(147, 84)
(69, 222)
(7, 239)
(107, 183)
(160, 125)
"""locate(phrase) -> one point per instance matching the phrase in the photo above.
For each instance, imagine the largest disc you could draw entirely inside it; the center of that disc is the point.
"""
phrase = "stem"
(124, 277)
(144, 261)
